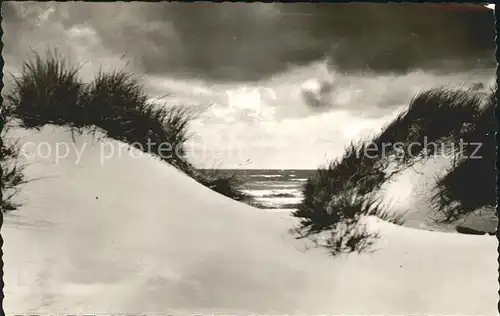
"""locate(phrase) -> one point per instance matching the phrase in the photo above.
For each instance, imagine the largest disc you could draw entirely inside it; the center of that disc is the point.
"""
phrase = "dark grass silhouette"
(49, 91)
(12, 172)
(331, 211)
(438, 121)
(230, 183)
(470, 183)
(336, 225)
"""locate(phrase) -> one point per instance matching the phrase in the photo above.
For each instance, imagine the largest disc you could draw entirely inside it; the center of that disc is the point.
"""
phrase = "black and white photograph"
(199, 158)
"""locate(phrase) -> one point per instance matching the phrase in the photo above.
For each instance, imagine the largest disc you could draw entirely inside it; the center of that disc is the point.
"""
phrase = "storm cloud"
(231, 42)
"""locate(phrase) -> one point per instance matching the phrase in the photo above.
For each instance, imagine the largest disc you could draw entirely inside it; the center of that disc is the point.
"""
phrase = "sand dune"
(135, 235)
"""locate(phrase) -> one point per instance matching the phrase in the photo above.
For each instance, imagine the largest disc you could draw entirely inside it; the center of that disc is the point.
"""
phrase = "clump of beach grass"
(50, 91)
(335, 198)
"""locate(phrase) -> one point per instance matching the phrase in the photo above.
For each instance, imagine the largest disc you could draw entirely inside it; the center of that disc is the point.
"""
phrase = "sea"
(272, 189)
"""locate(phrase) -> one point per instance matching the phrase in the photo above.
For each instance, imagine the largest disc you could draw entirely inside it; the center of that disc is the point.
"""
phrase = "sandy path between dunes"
(156, 241)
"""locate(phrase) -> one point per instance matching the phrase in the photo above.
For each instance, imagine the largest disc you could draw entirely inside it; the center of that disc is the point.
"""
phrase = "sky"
(279, 85)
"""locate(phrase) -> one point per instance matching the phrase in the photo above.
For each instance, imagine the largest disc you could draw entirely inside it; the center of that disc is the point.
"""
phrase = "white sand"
(157, 241)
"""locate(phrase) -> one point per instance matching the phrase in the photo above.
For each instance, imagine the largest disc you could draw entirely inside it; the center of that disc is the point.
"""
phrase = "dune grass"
(228, 183)
(438, 121)
(470, 184)
(11, 172)
(331, 211)
(50, 91)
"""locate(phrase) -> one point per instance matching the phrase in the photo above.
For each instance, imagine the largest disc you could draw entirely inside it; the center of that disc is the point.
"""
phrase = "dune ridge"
(136, 235)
